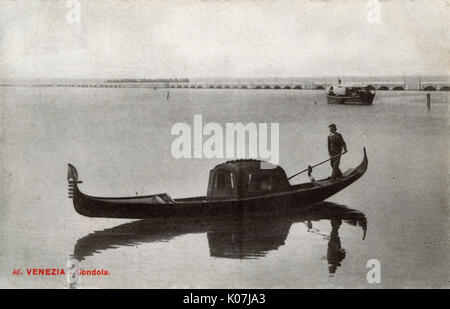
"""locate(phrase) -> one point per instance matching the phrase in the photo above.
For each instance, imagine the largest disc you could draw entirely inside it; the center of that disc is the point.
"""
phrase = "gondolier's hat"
(332, 126)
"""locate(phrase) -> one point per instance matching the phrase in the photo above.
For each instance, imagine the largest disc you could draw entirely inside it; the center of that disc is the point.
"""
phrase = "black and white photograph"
(224, 144)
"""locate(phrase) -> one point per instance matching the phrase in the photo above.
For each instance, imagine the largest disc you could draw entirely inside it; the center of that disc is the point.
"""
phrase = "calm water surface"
(119, 139)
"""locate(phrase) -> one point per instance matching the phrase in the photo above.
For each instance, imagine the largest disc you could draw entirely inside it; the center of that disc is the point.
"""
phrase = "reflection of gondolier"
(335, 253)
(428, 101)
(335, 145)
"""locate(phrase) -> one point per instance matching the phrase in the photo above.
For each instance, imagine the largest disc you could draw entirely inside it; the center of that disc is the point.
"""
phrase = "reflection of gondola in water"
(245, 238)
(239, 236)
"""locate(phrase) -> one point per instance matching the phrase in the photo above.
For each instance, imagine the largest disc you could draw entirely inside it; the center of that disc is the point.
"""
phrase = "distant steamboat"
(349, 94)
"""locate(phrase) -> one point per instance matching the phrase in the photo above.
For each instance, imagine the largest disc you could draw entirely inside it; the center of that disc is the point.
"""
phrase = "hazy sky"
(150, 38)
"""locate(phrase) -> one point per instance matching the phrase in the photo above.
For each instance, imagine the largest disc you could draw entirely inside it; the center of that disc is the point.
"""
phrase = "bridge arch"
(277, 87)
(383, 88)
(192, 86)
(219, 87)
(445, 88)
(298, 87)
(199, 86)
(429, 88)
(186, 86)
(370, 87)
(320, 87)
(398, 88)
(235, 87)
(267, 87)
(244, 87)
(258, 87)
(211, 86)
(226, 87)
(287, 87)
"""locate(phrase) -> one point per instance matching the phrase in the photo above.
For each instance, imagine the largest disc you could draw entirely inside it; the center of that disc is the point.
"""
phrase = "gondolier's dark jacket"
(335, 144)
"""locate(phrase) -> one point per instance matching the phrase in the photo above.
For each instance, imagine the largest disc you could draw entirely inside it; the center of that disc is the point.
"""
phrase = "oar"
(338, 155)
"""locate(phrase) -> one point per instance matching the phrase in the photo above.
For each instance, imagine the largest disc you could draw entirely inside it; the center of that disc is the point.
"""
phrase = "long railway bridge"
(375, 85)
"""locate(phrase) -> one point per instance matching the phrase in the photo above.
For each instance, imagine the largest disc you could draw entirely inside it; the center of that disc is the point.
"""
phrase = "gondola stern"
(365, 160)
(362, 167)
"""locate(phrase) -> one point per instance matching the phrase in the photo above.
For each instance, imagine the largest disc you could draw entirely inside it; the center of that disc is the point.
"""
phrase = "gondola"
(243, 185)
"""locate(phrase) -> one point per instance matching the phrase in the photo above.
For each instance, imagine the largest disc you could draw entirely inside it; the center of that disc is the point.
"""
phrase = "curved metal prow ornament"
(72, 178)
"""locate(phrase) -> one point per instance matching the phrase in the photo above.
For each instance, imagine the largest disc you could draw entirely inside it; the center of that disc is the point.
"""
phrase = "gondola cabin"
(246, 178)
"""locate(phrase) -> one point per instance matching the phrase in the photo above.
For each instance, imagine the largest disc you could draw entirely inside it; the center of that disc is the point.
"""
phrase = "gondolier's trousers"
(335, 166)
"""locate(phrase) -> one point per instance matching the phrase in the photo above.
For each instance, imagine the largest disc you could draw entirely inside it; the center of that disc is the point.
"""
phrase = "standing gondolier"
(335, 146)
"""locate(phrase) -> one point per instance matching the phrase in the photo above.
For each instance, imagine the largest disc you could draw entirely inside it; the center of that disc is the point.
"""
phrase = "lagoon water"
(120, 139)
